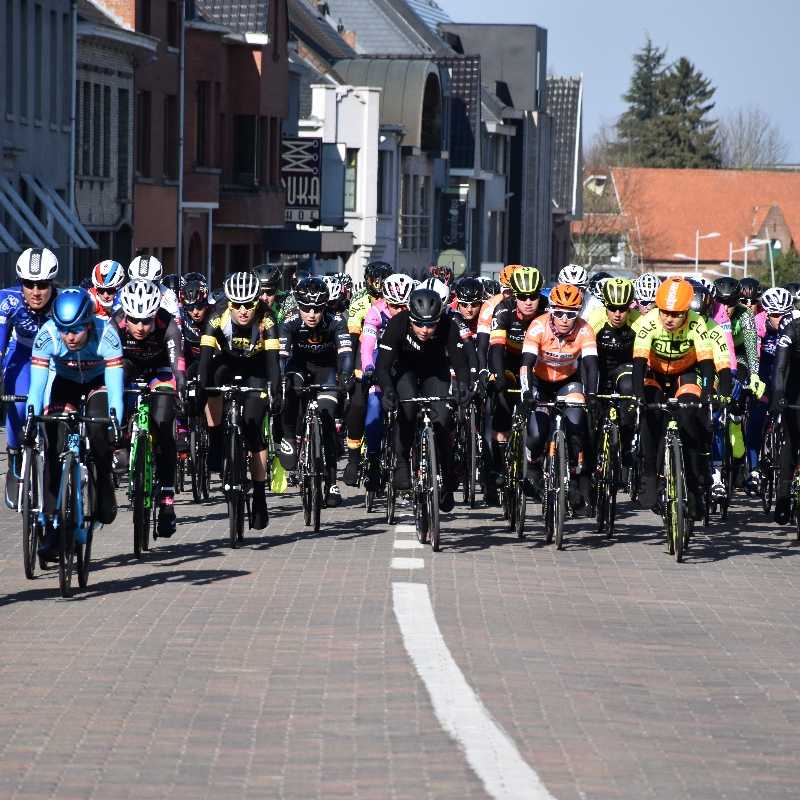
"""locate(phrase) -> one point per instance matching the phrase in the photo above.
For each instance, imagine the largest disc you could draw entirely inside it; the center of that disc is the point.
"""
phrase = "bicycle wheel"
(194, 457)
(676, 498)
(561, 471)
(432, 490)
(517, 471)
(141, 511)
(767, 483)
(602, 483)
(84, 554)
(31, 530)
(233, 494)
(67, 520)
(319, 468)
(470, 458)
(421, 519)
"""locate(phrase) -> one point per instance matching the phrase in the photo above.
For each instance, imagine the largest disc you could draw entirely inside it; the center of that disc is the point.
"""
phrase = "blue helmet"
(73, 308)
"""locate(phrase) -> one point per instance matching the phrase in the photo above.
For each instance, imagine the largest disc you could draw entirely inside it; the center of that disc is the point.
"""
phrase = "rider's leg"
(162, 416)
(407, 387)
(255, 407)
(102, 452)
(287, 452)
(576, 427)
(17, 375)
(355, 432)
(443, 422)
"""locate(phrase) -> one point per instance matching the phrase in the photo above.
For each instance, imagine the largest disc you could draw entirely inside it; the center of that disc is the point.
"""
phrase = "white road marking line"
(405, 529)
(489, 750)
(408, 544)
(408, 563)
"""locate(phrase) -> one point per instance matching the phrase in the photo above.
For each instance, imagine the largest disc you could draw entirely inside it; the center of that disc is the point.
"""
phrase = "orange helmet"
(675, 294)
(506, 273)
(564, 295)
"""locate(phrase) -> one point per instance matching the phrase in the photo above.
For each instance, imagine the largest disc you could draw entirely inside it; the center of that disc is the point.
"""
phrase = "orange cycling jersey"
(672, 352)
(487, 312)
(557, 356)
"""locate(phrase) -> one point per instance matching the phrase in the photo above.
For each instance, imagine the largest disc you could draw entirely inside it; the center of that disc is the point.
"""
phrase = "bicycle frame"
(141, 437)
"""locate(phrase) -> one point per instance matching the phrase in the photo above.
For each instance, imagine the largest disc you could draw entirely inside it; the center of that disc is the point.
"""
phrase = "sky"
(748, 50)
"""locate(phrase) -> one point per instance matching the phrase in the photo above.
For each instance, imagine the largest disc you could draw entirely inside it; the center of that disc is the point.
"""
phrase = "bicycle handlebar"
(236, 389)
(73, 416)
(428, 400)
(560, 404)
(13, 398)
(612, 397)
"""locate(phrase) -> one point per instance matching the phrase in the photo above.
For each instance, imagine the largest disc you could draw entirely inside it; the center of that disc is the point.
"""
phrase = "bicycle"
(75, 503)
(727, 471)
(388, 463)
(141, 483)
(769, 468)
(235, 481)
(198, 447)
(469, 449)
(29, 494)
(516, 463)
(555, 501)
(608, 469)
(426, 480)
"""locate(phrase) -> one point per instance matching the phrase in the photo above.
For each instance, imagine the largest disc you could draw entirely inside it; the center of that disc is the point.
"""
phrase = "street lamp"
(768, 243)
(697, 237)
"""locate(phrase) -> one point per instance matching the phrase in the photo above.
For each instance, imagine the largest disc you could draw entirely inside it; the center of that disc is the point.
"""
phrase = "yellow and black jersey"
(249, 341)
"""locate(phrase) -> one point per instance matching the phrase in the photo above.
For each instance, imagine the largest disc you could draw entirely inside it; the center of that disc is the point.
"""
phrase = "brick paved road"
(279, 670)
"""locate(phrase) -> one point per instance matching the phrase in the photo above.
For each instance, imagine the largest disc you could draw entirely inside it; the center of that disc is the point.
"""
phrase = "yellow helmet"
(526, 280)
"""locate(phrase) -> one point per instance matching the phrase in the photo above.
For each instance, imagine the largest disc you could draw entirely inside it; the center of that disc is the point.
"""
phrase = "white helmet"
(140, 299)
(146, 268)
(440, 287)
(575, 275)
(645, 287)
(335, 288)
(242, 287)
(358, 287)
(37, 265)
(777, 301)
(397, 289)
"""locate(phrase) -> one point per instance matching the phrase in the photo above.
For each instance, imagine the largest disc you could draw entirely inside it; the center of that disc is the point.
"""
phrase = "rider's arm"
(111, 350)
(387, 350)
(272, 347)
(644, 327)
(530, 354)
(497, 340)
(209, 347)
(783, 360)
(7, 308)
(455, 352)
(344, 348)
(589, 360)
(750, 337)
(173, 341)
(43, 349)
(369, 339)
(286, 331)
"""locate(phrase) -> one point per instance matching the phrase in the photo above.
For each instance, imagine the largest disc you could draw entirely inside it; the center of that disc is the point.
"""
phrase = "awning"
(286, 240)
(34, 231)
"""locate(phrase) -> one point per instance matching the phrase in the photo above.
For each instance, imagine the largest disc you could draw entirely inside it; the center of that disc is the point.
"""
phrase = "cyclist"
(487, 313)
(559, 346)
(338, 302)
(315, 348)
(397, 290)
(673, 357)
(270, 277)
(777, 306)
(509, 324)
(24, 309)
(417, 351)
(615, 338)
(442, 272)
(577, 276)
(593, 301)
(76, 354)
(749, 293)
(107, 277)
(149, 268)
(240, 344)
(152, 348)
(644, 291)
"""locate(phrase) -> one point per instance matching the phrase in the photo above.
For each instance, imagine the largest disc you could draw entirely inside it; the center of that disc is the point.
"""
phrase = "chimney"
(349, 37)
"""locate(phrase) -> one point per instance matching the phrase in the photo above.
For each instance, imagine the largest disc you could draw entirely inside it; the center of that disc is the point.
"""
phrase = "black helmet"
(425, 306)
(311, 291)
(173, 282)
(469, 290)
(270, 276)
(374, 274)
(298, 277)
(198, 277)
(749, 290)
(194, 293)
(727, 291)
(701, 302)
(491, 287)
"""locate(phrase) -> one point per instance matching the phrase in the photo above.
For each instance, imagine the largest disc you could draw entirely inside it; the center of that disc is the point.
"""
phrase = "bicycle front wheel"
(676, 498)
(141, 511)
(432, 490)
(316, 485)
(31, 530)
(516, 472)
(67, 522)
(561, 474)
(234, 492)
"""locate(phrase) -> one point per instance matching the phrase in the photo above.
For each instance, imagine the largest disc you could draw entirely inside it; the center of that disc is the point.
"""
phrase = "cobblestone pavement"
(279, 671)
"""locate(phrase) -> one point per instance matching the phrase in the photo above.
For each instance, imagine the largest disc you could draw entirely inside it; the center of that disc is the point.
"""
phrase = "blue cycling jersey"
(17, 320)
(101, 354)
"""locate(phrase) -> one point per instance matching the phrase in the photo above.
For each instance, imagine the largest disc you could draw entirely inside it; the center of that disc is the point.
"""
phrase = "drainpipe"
(72, 113)
(181, 120)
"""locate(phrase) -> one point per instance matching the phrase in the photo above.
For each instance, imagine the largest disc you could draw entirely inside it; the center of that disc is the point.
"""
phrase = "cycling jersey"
(556, 356)
(101, 356)
(192, 333)
(359, 306)
(614, 348)
(325, 345)
(374, 323)
(671, 352)
(19, 324)
(741, 324)
(599, 317)
(508, 327)
(99, 309)
(724, 358)
(487, 313)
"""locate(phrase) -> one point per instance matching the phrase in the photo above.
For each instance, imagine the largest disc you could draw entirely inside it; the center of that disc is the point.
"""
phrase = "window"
(201, 149)
(123, 142)
(415, 223)
(10, 71)
(38, 62)
(143, 133)
(22, 67)
(384, 182)
(173, 24)
(52, 57)
(97, 129)
(86, 128)
(171, 136)
(143, 23)
(262, 156)
(106, 131)
(350, 179)
(244, 149)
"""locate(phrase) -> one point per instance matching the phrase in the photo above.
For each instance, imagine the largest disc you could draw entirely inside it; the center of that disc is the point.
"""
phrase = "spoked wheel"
(305, 492)
(517, 475)
(194, 456)
(676, 500)
(235, 500)
(470, 459)
(561, 473)
(432, 490)
(317, 482)
(67, 520)
(141, 511)
(421, 518)
(601, 484)
(84, 554)
(31, 530)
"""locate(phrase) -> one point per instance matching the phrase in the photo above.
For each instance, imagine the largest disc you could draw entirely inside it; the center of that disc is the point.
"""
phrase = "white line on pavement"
(408, 563)
(408, 544)
(489, 750)
(405, 529)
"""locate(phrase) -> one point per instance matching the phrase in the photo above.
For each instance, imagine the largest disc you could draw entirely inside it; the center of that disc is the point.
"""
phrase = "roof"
(387, 27)
(428, 12)
(564, 104)
(465, 108)
(316, 32)
(403, 82)
(668, 206)
(239, 16)
(308, 75)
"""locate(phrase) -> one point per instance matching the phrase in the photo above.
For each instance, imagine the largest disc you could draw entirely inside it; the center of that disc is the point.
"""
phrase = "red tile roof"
(667, 206)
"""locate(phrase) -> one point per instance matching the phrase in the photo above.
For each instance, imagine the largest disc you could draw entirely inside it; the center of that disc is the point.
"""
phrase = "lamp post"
(748, 247)
(768, 243)
(697, 237)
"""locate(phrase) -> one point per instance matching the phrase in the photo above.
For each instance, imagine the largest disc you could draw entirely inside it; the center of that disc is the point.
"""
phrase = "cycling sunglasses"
(311, 307)
(396, 305)
(425, 324)
(141, 320)
(618, 308)
(74, 328)
(526, 296)
(673, 314)
(243, 306)
(37, 284)
(477, 304)
(564, 313)
(106, 290)
(196, 306)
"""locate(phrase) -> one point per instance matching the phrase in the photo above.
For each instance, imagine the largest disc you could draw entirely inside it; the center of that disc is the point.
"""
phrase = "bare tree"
(748, 139)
